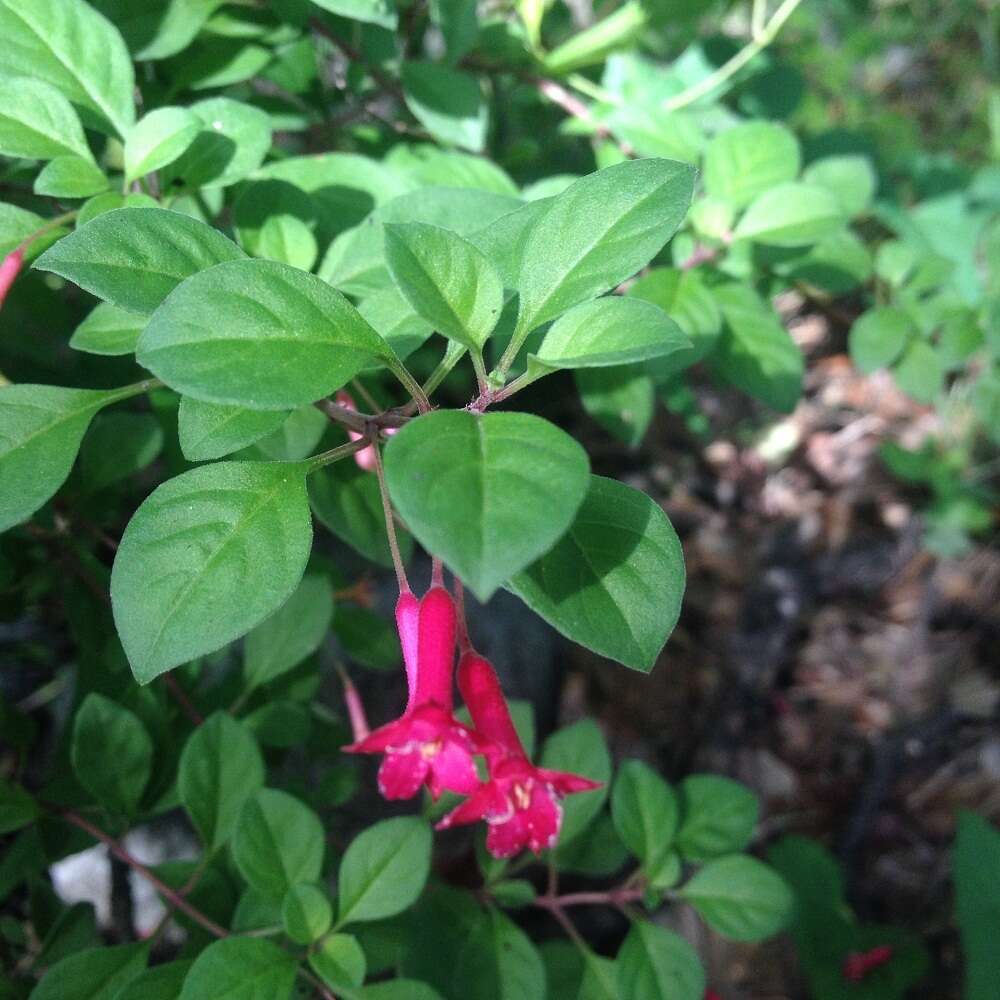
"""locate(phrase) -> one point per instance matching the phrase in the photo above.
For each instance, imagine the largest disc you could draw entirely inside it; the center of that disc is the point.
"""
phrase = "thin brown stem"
(573, 106)
(611, 897)
(173, 897)
(180, 696)
(464, 643)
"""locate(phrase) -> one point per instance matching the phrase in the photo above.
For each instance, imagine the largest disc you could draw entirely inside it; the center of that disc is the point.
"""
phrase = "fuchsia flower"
(366, 457)
(520, 802)
(426, 744)
(10, 268)
(859, 964)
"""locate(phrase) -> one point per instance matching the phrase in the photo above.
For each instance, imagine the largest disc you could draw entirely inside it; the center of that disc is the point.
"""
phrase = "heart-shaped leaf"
(206, 557)
(488, 494)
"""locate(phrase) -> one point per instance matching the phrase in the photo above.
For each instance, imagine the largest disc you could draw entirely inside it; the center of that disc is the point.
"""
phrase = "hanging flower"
(10, 268)
(520, 802)
(858, 965)
(426, 744)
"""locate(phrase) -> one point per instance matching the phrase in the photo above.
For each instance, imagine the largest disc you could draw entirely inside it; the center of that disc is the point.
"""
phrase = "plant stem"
(572, 105)
(761, 40)
(55, 223)
(411, 385)
(480, 369)
(180, 696)
(611, 897)
(390, 524)
(336, 454)
(174, 898)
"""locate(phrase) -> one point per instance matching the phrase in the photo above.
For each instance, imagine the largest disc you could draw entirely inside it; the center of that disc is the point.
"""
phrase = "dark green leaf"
(499, 962)
(258, 334)
(279, 842)
(17, 808)
(621, 399)
(579, 749)
(615, 580)
(37, 122)
(134, 257)
(488, 494)
(384, 870)
(744, 162)
(158, 139)
(70, 177)
(977, 871)
(108, 330)
(220, 768)
(306, 913)
(94, 974)
(719, 816)
(656, 964)
(296, 630)
(447, 103)
(117, 446)
(205, 558)
(340, 962)
(240, 968)
(69, 45)
(162, 982)
(211, 430)
(645, 812)
(446, 279)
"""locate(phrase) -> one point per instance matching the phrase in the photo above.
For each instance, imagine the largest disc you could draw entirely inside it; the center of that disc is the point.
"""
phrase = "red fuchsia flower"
(860, 964)
(520, 802)
(366, 457)
(426, 744)
(10, 268)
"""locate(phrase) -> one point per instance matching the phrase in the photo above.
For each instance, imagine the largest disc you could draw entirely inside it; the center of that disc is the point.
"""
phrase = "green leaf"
(211, 430)
(744, 162)
(755, 352)
(578, 974)
(503, 239)
(399, 989)
(16, 225)
(608, 331)
(158, 139)
(791, 215)
(656, 964)
(395, 321)
(41, 427)
(162, 982)
(93, 974)
(296, 630)
(206, 557)
(135, 257)
(837, 264)
(977, 870)
(384, 870)
(17, 808)
(850, 179)
(232, 144)
(281, 723)
(488, 494)
(595, 43)
(112, 753)
(340, 963)
(449, 104)
(297, 437)
(879, 336)
(499, 962)
(70, 177)
(240, 968)
(110, 201)
(306, 913)
(380, 12)
(108, 330)
(719, 816)
(919, 372)
(69, 45)
(621, 399)
(598, 232)
(645, 811)
(740, 897)
(258, 334)
(279, 842)
(347, 501)
(37, 122)
(117, 446)
(447, 280)
(220, 768)
(579, 749)
(614, 581)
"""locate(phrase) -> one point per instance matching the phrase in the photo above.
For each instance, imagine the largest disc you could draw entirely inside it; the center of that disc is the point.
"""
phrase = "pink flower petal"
(481, 691)
(407, 619)
(453, 769)
(402, 774)
(543, 818)
(507, 838)
(565, 783)
(436, 648)
(10, 268)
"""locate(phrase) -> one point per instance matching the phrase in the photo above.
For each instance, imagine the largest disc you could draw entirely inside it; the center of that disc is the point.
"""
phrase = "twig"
(572, 105)
(390, 525)
(611, 897)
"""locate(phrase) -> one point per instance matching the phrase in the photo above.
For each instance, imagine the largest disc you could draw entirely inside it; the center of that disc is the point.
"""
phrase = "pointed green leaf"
(70, 177)
(306, 913)
(579, 749)
(296, 630)
(259, 334)
(791, 215)
(609, 331)
(93, 974)
(240, 968)
(69, 45)
(41, 427)
(740, 897)
(449, 104)
(384, 870)
(220, 768)
(598, 232)
(446, 279)
(744, 162)
(339, 962)
(134, 257)
(719, 816)
(158, 139)
(37, 122)
(645, 812)
(279, 842)
(879, 336)
(621, 399)
(656, 964)
(627, 572)
(205, 558)
(499, 962)
(211, 430)
(108, 330)
(488, 494)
